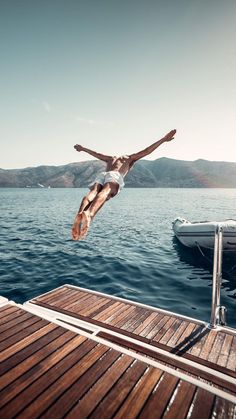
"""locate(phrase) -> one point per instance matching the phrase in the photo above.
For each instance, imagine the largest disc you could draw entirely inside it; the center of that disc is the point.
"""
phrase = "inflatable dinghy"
(203, 233)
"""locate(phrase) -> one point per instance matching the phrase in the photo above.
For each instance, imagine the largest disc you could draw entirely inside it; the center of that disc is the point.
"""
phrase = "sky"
(115, 76)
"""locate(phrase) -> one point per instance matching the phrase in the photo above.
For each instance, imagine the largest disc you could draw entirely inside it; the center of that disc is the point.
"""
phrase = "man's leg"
(86, 202)
(88, 199)
(108, 191)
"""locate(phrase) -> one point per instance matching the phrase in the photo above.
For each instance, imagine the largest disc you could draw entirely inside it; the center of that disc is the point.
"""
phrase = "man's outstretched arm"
(93, 153)
(168, 137)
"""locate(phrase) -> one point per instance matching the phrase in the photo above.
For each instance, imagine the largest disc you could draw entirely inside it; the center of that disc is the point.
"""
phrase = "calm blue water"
(130, 250)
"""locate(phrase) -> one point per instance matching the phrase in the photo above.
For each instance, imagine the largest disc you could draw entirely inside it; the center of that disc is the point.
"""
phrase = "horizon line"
(97, 160)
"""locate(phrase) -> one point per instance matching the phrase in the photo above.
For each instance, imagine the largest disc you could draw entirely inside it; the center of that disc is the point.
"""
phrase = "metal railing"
(218, 312)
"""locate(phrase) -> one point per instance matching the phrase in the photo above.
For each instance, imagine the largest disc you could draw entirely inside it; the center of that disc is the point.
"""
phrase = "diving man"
(107, 184)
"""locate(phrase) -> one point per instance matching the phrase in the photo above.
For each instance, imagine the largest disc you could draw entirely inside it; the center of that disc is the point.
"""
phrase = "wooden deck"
(190, 339)
(111, 358)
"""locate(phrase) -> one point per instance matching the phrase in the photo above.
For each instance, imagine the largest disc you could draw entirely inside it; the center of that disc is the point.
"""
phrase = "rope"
(201, 251)
(210, 261)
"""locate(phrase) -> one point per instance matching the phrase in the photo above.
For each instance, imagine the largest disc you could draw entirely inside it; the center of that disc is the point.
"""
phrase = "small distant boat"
(203, 233)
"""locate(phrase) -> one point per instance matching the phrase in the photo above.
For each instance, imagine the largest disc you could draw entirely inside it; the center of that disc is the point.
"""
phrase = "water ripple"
(130, 251)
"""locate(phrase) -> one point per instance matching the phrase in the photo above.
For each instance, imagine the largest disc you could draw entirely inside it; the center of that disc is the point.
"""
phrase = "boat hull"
(203, 233)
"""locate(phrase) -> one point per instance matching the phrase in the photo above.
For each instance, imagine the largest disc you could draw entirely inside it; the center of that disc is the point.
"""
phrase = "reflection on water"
(202, 259)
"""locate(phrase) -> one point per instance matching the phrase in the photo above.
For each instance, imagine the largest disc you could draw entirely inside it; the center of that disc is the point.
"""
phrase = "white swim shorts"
(112, 176)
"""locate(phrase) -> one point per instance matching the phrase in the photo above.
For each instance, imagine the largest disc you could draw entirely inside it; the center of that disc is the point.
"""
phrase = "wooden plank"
(34, 325)
(175, 363)
(137, 398)
(188, 340)
(202, 404)
(232, 356)
(93, 321)
(79, 294)
(28, 354)
(176, 317)
(28, 377)
(160, 398)
(216, 348)
(112, 298)
(198, 345)
(123, 317)
(26, 341)
(90, 388)
(114, 315)
(78, 297)
(145, 323)
(132, 319)
(116, 396)
(225, 350)
(43, 388)
(55, 351)
(57, 388)
(140, 321)
(165, 326)
(88, 311)
(114, 307)
(63, 297)
(78, 302)
(78, 327)
(120, 312)
(126, 320)
(74, 297)
(208, 344)
(51, 295)
(224, 409)
(185, 338)
(170, 331)
(80, 306)
(111, 309)
(181, 400)
(200, 330)
(14, 325)
(149, 331)
(178, 334)
(4, 309)
(101, 310)
(156, 327)
(8, 314)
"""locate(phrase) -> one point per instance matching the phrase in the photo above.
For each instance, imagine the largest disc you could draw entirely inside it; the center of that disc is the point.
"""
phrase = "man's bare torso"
(121, 164)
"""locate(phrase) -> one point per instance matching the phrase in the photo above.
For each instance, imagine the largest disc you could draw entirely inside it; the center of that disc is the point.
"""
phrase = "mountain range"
(160, 173)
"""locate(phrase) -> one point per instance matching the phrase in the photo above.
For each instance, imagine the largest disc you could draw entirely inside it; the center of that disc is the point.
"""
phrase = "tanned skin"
(99, 194)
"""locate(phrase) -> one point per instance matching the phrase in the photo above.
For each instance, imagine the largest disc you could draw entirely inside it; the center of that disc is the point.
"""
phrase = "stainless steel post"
(217, 275)
(219, 265)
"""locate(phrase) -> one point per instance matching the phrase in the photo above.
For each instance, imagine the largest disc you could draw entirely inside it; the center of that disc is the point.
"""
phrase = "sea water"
(130, 250)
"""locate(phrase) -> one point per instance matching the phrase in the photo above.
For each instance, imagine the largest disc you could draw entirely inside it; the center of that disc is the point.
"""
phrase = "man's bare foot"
(85, 223)
(170, 135)
(76, 228)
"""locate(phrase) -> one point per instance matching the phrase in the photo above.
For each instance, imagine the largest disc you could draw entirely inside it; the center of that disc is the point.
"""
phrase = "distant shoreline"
(160, 173)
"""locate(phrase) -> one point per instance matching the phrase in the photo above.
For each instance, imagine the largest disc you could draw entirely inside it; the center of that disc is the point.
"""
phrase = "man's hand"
(169, 136)
(78, 147)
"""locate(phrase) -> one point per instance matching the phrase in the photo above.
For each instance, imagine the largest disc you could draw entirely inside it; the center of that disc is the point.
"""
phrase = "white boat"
(203, 233)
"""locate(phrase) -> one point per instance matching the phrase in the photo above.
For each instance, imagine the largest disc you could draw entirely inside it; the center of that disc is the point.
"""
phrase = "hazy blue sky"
(115, 76)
